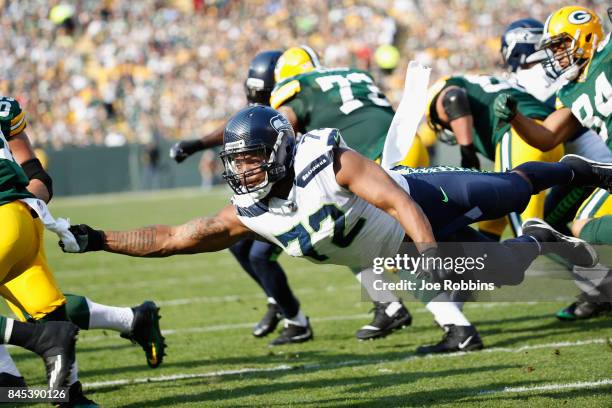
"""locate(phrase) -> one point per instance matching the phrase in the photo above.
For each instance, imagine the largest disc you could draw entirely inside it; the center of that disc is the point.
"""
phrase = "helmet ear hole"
(588, 37)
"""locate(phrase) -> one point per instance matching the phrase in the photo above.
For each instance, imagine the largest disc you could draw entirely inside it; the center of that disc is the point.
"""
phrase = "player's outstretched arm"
(370, 182)
(182, 150)
(558, 127)
(206, 234)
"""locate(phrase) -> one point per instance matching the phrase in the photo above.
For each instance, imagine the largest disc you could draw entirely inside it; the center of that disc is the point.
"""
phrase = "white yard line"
(285, 367)
(551, 387)
(166, 378)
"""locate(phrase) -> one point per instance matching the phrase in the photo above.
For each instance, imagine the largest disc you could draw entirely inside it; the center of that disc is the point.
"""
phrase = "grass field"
(209, 306)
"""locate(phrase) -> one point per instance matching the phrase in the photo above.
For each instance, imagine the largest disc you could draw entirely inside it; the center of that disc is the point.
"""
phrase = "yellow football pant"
(509, 153)
(597, 205)
(27, 282)
(417, 155)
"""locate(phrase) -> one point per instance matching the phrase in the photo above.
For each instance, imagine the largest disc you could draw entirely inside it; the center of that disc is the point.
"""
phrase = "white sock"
(110, 317)
(8, 330)
(446, 312)
(271, 301)
(298, 320)
(7, 365)
(367, 278)
(393, 308)
(74, 374)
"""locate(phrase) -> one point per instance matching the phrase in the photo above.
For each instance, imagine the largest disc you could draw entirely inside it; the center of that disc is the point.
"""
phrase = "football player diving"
(364, 127)
(258, 258)
(575, 50)
(321, 200)
(29, 286)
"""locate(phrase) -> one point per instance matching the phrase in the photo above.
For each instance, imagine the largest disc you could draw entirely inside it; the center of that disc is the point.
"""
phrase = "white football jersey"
(320, 219)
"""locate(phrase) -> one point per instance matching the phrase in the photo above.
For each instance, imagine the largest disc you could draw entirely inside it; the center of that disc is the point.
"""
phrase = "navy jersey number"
(339, 238)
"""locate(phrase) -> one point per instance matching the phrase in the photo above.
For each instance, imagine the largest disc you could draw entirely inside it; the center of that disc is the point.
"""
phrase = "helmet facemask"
(253, 170)
(563, 56)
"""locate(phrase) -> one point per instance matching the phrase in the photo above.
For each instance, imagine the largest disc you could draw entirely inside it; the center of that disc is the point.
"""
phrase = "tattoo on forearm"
(142, 241)
(202, 228)
(199, 235)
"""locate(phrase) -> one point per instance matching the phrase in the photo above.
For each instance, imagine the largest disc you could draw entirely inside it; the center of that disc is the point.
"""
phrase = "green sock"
(78, 310)
(598, 230)
(3, 321)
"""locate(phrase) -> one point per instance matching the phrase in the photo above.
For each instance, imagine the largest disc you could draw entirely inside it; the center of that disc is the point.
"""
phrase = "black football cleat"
(584, 309)
(382, 325)
(146, 332)
(574, 250)
(268, 322)
(456, 338)
(55, 343)
(588, 172)
(76, 398)
(293, 334)
(12, 381)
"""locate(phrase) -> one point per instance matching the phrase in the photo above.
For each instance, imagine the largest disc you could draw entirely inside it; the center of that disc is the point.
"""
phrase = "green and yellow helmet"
(295, 61)
(570, 39)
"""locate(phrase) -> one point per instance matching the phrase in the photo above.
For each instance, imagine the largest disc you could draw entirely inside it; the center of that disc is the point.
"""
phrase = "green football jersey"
(12, 118)
(590, 96)
(482, 91)
(13, 181)
(343, 98)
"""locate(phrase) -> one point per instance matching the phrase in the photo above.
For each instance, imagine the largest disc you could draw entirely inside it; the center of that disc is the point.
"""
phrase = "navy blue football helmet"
(519, 41)
(260, 82)
(262, 133)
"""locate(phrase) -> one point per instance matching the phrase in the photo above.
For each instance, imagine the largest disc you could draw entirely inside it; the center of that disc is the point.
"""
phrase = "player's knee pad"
(598, 230)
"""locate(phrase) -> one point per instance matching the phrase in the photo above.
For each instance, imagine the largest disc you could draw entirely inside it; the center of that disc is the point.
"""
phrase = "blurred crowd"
(117, 71)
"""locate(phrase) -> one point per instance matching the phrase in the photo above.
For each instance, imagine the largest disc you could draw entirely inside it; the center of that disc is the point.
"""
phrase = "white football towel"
(59, 226)
(408, 115)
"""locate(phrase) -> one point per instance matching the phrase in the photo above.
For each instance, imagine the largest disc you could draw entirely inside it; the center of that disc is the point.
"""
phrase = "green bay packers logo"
(579, 17)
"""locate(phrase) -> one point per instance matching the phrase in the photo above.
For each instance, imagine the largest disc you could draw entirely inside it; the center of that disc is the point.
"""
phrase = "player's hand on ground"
(504, 107)
(86, 237)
